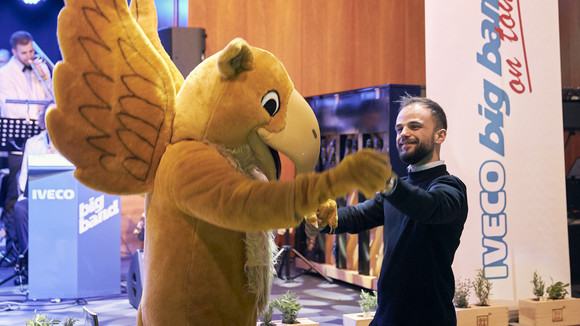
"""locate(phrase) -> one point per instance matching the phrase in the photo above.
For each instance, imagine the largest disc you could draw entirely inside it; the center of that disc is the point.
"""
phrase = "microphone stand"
(286, 250)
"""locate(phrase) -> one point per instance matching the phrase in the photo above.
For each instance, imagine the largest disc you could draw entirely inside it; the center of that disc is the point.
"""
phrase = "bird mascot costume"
(206, 151)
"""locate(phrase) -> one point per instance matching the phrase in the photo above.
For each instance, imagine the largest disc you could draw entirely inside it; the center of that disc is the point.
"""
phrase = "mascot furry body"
(203, 148)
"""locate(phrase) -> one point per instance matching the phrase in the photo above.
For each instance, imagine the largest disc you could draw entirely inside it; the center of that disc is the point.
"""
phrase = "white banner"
(495, 68)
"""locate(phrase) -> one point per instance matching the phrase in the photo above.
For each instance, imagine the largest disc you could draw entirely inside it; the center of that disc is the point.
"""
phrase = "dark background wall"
(39, 20)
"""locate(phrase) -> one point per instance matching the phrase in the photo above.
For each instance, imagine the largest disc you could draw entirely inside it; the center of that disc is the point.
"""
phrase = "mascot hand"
(325, 215)
(366, 170)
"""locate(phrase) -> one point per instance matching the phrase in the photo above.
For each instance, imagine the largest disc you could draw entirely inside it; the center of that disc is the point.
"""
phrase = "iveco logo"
(53, 194)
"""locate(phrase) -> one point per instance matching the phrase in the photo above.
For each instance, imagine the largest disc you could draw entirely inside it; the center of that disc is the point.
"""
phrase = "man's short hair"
(20, 37)
(436, 109)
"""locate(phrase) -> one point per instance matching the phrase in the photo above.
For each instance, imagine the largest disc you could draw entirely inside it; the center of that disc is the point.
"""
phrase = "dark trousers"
(11, 195)
(15, 223)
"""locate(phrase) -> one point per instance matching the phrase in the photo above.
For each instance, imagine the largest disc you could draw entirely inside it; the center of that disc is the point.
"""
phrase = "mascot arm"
(209, 188)
(366, 170)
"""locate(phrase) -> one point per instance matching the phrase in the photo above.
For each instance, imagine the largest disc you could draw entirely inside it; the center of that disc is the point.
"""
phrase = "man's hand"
(37, 62)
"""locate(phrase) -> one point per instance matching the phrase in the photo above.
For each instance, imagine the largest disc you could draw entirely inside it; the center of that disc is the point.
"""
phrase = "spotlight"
(31, 2)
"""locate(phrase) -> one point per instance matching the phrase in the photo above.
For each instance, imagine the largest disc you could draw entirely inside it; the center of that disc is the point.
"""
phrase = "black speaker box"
(571, 115)
(135, 279)
(185, 46)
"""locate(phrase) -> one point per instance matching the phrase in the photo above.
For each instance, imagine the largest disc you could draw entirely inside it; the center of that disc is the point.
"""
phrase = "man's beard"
(421, 151)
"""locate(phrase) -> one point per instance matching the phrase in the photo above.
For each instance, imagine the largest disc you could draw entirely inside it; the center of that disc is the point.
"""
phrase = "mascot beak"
(300, 139)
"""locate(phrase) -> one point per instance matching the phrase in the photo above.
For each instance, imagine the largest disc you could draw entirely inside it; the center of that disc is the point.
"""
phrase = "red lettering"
(507, 7)
(515, 84)
(507, 22)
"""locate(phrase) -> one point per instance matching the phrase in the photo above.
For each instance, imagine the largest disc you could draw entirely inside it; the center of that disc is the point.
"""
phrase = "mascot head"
(243, 96)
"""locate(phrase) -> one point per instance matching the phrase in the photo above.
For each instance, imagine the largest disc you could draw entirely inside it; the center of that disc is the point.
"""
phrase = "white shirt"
(417, 168)
(14, 85)
(39, 144)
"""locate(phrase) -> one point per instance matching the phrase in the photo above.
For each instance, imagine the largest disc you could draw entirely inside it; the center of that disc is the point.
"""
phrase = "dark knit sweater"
(423, 219)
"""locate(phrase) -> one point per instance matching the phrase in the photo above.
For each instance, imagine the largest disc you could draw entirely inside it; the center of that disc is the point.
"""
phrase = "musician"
(24, 77)
(17, 221)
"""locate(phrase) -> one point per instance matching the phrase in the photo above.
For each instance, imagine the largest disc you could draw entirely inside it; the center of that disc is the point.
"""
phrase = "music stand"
(19, 270)
(15, 132)
(286, 250)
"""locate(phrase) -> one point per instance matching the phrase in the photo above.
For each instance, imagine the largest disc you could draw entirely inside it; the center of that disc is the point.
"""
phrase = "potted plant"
(367, 303)
(557, 291)
(538, 286)
(266, 316)
(42, 320)
(482, 313)
(556, 309)
(289, 306)
(461, 297)
(482, 288)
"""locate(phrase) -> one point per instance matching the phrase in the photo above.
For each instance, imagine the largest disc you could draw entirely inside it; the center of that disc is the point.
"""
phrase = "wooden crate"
(492, 315)
(356, 320)
(551, 312)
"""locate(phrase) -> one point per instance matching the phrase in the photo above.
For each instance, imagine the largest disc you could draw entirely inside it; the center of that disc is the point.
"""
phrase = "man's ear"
(440, 135)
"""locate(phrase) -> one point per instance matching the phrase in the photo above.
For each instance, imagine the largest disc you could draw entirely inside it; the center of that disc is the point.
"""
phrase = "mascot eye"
(271, 102)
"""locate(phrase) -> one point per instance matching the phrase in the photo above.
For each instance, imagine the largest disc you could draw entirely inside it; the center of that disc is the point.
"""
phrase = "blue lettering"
(493, 201)
(495, 98)
(490, 56)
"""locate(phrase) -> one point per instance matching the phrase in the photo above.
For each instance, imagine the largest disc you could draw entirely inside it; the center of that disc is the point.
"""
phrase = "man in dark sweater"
(423, 217)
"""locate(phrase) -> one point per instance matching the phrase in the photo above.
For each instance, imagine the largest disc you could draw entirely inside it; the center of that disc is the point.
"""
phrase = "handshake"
(367, 170)
(326, 214)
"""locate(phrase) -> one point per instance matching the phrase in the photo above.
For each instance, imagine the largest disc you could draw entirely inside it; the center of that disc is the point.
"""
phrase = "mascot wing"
(145, 14)
(115, 98)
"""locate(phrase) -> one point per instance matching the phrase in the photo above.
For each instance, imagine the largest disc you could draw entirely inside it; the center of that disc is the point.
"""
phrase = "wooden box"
(551, 312)
(357, 319)
(491, 315)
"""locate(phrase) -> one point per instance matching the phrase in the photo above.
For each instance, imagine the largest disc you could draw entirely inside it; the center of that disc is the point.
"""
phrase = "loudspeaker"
(135, 279)
(185, 46)
(571, 115)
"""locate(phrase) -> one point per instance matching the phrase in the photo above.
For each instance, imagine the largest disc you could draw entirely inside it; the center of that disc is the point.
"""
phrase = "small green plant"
(461, 297)
(41, 320)
(368, 302)
(266, 316)
(482, 288)
(70, 321)
(557, 291)
(288, 306)
(538, 285)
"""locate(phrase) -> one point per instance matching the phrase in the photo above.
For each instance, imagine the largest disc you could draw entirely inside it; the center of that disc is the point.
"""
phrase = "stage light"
(31, 2)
